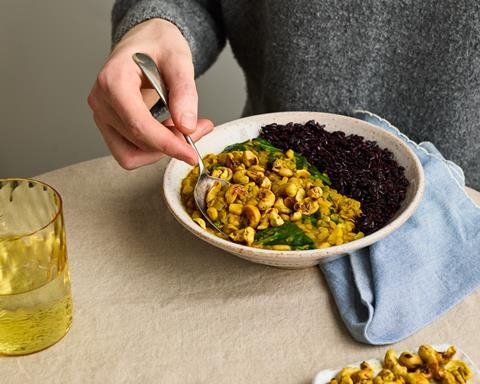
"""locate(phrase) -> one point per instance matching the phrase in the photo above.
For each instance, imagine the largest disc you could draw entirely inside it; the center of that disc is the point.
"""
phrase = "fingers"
(129, 156)
(120, 92)
(204, 127)
(125, 153)
(178, 74)
(150, 97)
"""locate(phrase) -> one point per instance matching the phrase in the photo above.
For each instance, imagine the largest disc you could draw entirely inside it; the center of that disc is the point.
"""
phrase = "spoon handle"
(151, 71)
(200, 161)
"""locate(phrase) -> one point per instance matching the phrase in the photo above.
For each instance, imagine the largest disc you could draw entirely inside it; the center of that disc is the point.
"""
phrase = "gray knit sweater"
(413, 62)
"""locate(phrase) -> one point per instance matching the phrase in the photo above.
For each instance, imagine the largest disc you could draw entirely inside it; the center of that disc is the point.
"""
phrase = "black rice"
(357, 168)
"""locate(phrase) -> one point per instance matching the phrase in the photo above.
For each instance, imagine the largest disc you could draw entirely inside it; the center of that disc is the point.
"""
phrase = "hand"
(120, 98)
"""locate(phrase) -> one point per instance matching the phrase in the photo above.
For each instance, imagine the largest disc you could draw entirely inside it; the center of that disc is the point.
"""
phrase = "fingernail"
(193, 158)
(207, 129)
(193, 161)
(189, 121)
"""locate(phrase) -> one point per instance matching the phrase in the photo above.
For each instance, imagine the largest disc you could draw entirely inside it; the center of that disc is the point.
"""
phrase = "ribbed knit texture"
(414, 62)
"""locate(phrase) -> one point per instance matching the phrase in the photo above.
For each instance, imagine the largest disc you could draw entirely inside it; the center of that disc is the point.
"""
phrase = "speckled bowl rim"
(171, 192)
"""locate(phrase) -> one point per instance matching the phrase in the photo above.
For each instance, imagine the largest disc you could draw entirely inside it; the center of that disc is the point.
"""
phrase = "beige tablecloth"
(155, 305)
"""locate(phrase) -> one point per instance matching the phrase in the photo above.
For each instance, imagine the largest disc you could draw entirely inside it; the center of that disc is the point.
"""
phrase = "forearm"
(199, 21)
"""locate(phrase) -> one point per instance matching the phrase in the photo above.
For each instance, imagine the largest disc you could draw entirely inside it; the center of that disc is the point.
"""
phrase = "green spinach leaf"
(302, 163)
(236, 147)
(313, 219)
(258, 144)
(264, 145)
(288, 234)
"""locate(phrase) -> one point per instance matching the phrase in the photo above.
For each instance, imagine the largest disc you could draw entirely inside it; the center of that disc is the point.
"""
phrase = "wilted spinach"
(302, 163)
(287, 234)
(256, 144)
(312, 219)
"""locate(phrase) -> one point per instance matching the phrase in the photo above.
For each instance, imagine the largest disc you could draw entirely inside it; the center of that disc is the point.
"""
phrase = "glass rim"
(59, 207)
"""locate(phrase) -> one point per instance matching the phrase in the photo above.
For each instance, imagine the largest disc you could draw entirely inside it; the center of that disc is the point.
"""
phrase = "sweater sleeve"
(199, 21)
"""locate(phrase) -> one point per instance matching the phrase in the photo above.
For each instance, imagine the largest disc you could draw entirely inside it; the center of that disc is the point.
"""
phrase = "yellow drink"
(35, 295)
(35, 319)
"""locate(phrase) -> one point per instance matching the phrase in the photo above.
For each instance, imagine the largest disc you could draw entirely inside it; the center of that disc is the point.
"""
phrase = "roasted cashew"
(249, 158)
(266, 199)
(252, 213)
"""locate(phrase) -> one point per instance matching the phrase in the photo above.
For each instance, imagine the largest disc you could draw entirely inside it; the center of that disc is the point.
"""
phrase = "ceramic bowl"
(248, 128)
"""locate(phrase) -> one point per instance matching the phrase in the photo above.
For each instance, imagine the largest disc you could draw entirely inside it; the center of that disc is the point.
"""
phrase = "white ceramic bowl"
(248, 128)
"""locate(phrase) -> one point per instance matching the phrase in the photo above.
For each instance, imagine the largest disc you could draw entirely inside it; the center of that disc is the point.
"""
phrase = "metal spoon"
(204, 182)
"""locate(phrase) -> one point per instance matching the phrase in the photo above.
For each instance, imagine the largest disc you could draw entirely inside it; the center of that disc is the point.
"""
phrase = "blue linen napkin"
(400, 284)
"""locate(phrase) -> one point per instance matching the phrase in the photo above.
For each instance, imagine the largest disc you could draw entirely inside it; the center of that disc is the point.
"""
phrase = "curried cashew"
(302, 173)
(431, 358)
(315, 192)
(274, 218)
(249, 158)
(386, 375)
(235, 208)
(232, 161)
(252, 213)
(245, 235)
(240, 177)
(289, 202)
(210, 159)
(265, 183)
(291, 189)
(447, 355)
(235, 191)
(187, 189)
(200, 222)
(460, 370)
(213, 192)
(415, 378)
(295, 216)
(234, 219)
(266, 199)
(212, 213)
(279, 166)
(391, 362)
(249, 235)
(223, 173)
(307, 206)
(445, 376)
(229, 228)
(264, 221)
(196, 213)
(300, 194)
(280, 205)
(345, 375)
(365, 373)
(285, 172)
(410, 360)
(255, 174)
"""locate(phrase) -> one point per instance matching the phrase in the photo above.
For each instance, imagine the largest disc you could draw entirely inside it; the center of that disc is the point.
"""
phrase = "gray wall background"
(51, 51)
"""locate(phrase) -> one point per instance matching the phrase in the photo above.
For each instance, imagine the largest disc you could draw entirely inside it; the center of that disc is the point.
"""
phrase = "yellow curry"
(275, 200)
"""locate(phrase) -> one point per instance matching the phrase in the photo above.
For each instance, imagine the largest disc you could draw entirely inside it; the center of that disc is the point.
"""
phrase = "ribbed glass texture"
(35, 294)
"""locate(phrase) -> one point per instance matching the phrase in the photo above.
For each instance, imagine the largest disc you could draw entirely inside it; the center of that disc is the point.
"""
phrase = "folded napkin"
(400, 284)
